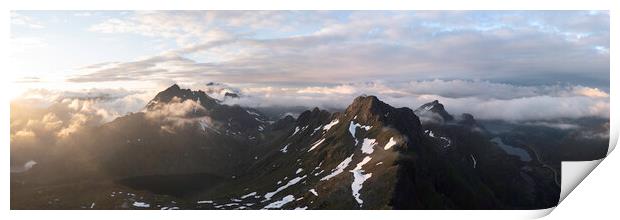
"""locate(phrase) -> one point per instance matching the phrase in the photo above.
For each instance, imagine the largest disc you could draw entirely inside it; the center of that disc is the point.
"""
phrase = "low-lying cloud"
(483, 99)
(69, 111)
(48, 116)
(178, 113)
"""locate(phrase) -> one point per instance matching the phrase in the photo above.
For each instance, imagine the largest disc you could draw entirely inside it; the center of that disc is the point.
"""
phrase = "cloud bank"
(178, 114)
(483, 99)
(47, 116)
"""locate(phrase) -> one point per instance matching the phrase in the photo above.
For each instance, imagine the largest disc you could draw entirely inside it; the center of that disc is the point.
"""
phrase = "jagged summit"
(173, 91)
(173, 88)
(436, 108)
(370, 110)
(366, 107)
(284, 123)
(314, 116)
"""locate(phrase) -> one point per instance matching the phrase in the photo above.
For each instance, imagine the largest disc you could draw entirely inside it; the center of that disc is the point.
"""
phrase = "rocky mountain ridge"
(191, 149)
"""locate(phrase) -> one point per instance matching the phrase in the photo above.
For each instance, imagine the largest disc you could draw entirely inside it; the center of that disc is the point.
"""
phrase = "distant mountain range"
(187, 150)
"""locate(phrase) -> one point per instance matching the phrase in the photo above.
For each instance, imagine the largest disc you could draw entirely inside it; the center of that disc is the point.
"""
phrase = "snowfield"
(330, 125)
(296, 130)
(141, 204)
(429, 133)
(278, 204)
(313, 191)
(339, 168)
(290, 183)
(358, 179)
(367, 145)
(248, 195)
(316, 144)
(315, 130)
(285, 148)
(352, 129)
(390, 144)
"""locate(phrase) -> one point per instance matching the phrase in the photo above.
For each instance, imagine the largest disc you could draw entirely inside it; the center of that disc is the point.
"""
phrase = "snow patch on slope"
(339, 168)
(358, 179)
(296, 130)
(315, 130)
(278, 204)
(353, 127)
(367, 145)
(390, 144)
(330, 125)
(290, 183)
(316, 144)
(141, 204)
(429, 133)
(248, 195)
(313, 191)
(285, 148)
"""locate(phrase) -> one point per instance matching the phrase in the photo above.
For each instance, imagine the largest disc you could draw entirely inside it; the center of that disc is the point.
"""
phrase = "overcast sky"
(525, 60)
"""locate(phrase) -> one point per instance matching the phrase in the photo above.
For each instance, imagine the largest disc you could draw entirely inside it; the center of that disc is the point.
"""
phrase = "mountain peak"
(370, 111)
(434, 107)
(312, 115)
(174, 87)
(367, 105)
(469, 120)
(183, 94)
(370, 99)
(366, 99)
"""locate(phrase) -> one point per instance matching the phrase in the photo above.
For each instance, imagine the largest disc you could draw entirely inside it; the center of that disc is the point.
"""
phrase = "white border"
(313, 5)
(320, 5)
